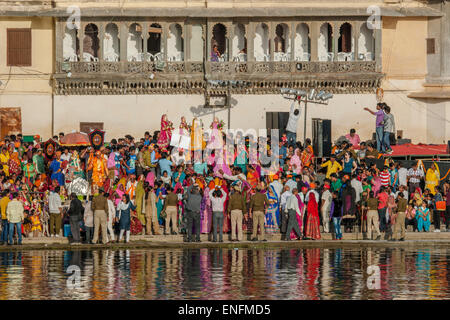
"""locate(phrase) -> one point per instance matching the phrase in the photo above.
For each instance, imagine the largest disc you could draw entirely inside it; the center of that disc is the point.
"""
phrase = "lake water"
(313, 273)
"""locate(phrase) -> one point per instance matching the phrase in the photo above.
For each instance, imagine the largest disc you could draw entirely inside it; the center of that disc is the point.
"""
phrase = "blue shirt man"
(165, 165)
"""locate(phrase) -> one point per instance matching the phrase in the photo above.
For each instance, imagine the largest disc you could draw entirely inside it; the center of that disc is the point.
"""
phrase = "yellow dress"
(196, 135)
(432, 179)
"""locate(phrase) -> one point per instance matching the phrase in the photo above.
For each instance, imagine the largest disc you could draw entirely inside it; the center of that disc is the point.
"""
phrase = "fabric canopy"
(75, 139)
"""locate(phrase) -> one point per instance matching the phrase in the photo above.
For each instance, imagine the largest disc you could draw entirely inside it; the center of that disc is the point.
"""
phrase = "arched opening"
(302, 43)
(219, 43)
(135, 43)
(197, 43)
(154, 39)
(90, 43)
(325, 43)
(71, 45)
(239, 43)
(281, 42)
(366, 44)
(111, 43)
(175, 43)
(345, 42)
(261, 43)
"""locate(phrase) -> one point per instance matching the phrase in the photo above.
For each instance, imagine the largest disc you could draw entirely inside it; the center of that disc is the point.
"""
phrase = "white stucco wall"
(36, 112)
(133, 115)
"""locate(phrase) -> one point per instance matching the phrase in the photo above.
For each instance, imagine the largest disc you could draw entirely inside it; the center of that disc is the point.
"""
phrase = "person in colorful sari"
(165, 134)
(206, 211)
(272, 211)
(296, 162)
(241, 160)
(432, 178)
(75, 166)
(14, 164)
(4, 159)
(423, 217)
(307, 155)
(56, 169)
(29, 171)
(196, 136)
(252, 177)
(312, 224)
(184, 129)
(99, 169)
(139, 200)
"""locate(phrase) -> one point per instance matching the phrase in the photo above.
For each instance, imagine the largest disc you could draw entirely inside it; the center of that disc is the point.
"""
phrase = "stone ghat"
(413, 239)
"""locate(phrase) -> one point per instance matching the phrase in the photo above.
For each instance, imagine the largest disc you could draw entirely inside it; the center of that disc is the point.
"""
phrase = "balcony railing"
(218, 68)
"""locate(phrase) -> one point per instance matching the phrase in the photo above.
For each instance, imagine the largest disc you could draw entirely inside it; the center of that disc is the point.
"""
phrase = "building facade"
(127, 63)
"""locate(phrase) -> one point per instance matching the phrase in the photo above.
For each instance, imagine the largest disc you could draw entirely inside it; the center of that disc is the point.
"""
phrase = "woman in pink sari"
(296, 162)
(166, 133)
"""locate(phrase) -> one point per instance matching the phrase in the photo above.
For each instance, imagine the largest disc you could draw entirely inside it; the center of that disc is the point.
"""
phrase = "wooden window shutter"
(431, 46)
(19, 47)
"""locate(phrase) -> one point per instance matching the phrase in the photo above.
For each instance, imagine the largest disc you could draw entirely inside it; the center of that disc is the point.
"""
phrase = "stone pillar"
(165, 34)
(272, 26)
(377, 34)
(293, 28)
(145, 26)
(59, 36)
(314, 32)
(101, 39)
(355, 28)
(229, 36)
(185, 38)
(187, 41)
(250, 35)
(208, 40)
(81, 38)
(336, 26)
(123, 31)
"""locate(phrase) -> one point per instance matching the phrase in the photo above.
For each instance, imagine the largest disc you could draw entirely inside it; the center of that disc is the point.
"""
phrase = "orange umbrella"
(75, 139)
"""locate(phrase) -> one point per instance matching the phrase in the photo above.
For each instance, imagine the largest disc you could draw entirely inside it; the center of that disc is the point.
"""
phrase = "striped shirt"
(385, 178)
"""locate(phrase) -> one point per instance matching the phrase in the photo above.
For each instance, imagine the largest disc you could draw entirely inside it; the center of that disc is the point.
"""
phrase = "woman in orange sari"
(307, 156)
(252, 177)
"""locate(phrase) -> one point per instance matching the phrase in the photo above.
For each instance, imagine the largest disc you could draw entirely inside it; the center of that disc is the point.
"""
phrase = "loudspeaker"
(321, 130)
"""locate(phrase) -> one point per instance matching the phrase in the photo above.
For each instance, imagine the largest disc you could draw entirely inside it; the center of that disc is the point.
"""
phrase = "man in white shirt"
(402, 174)
(326, 207)
(66, 155)
(293, 210)
(283, 201)
(112, 215)
(291, 183)
(357, 185)
(291, 128)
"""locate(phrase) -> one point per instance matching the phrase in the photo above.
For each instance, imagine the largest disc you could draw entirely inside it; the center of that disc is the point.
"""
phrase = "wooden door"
(10, 121)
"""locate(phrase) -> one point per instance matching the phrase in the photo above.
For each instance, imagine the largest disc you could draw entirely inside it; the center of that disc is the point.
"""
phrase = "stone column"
(165, 34)
(187, 41)
(59, 36)
(101, 38)
(250, 35)
(123, 31)
(145, 35)
(81, 38)
(314, 32)
(229, 39)
(355, 28)
(335, 39)
(208, 40)
(293, 28)
(271, 26)
(377, 34)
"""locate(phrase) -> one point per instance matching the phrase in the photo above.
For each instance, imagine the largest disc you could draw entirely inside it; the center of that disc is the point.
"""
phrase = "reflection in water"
(313, 273)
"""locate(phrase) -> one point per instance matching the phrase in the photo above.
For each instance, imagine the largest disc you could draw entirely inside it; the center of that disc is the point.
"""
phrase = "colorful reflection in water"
(313, 273)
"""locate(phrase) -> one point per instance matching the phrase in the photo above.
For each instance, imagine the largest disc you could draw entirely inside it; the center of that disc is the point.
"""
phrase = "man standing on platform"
(75, 215)
(193, 201)
(100, 207)
(55, 206)
(379, 125)
(258, 203)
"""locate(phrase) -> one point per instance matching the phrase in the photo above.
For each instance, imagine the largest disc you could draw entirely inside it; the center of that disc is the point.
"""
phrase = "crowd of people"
(154, 186)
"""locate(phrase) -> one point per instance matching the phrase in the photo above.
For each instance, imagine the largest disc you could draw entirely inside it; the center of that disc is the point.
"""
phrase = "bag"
(441, 205)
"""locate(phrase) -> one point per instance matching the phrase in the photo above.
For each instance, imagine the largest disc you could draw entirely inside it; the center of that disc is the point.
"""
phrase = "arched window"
(239, 43)
(111, 43)
(175, 43)
(135, 43)
(219, 43)
(154, 39)
(261, 43)
(90, 43)
(345, 43)
(71, 45)
(325, 43)
(302, 43)
(366, 44)
(282, 43)
(197, 45)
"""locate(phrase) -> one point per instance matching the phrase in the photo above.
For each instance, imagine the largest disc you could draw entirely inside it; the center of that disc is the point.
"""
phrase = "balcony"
(189, 77)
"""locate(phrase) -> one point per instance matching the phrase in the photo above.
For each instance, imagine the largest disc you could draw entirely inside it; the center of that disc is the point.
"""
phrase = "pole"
(304, 123)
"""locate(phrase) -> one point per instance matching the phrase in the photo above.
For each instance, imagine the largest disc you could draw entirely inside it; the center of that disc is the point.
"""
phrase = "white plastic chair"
(159, 56)
(111, 56)
(71, 58)
(330, 56)
(89, 57)
(341, 56)
(350, 56)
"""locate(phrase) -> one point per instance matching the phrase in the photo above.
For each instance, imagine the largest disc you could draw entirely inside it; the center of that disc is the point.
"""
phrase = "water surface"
(215, 273)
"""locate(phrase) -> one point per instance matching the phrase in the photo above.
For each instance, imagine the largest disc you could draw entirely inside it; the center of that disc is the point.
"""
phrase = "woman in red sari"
(14, 164)
(166, 133)
(312, 220)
